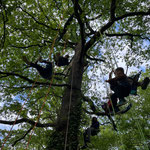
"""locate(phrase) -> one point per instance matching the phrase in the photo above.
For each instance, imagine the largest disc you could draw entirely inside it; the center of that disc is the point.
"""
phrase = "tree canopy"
(98, 36)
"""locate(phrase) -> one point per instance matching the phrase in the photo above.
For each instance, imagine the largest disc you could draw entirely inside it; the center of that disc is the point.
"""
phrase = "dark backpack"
(134, 83)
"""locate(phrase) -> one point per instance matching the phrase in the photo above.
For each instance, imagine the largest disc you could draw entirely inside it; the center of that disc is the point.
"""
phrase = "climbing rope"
(108, 95)
(55, 38)
(18, 114)
(137, 123)
(39, 113)
(114, 59)
(68, 119)
(107, 90)
(51, 51)
(27, 98)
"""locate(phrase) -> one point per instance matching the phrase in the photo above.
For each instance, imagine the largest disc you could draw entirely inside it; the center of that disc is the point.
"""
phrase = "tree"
(89, 31)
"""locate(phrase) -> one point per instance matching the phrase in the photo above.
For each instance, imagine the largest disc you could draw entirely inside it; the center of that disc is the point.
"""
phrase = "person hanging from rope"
(121, 87)
(133, 81)
(91, 131)
(60, 60)
(45, 72)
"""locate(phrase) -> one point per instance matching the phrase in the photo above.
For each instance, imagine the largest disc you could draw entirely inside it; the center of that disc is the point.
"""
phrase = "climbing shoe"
(145, 83)
(133, 92)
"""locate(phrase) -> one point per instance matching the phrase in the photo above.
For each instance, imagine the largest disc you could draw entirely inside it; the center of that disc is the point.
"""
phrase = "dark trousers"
(88, 133)
(62, 61)
(44, 72)
(119, 92)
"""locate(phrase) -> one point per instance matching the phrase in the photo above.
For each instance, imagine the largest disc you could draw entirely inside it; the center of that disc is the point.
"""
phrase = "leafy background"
(32, 28)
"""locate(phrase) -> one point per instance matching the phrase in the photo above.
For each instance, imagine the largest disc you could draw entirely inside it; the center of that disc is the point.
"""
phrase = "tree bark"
(65, 135)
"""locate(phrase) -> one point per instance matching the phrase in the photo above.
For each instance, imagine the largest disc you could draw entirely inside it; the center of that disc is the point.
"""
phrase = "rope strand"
(111, 104)
(18, 114)
(70, 100)
(51, 51)
(39, 113)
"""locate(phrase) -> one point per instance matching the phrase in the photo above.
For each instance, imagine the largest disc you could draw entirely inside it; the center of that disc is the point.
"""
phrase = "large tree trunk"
(65, 135)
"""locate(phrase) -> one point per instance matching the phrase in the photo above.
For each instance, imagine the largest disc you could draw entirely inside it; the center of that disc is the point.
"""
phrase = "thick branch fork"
(25, 120)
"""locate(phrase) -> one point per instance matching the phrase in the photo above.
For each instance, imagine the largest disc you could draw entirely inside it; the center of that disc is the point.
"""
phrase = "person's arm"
(110, 76)
(95, 125)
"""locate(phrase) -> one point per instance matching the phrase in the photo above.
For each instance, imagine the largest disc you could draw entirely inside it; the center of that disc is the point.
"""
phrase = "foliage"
(36, 28)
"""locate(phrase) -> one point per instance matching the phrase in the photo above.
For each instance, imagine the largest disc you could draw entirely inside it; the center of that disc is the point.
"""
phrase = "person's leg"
(37, 67)
(114, 102)
(44, 72)
(145, 83)
(34, 65)
(48, 71)
(114, 99)
(94, 131)
(85, 139)
(121, 92)
(134, 85)
(84, 136)
(88, 134)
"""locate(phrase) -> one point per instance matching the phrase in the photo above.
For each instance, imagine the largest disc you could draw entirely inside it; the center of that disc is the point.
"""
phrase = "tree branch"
(68, 43)
(93, 108)
(98, 113)
(130, 14)
(23, 136)
(38, 22)
(109, 24)
(95, 17)
(112, 11)
(112, 121)
(5, 19)
(40, 7)
(109, 117)
(24, 47)
(82, 28)
(90, 29)
(29, 80)
(121, 34)
(28, 121)
(65, 27)
(95, 59)
(126, 34)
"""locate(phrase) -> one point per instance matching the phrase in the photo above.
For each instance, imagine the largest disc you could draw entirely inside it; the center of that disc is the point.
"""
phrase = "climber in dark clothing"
(121, 87)
(91, 131)
(60, 60)
(45, 72)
